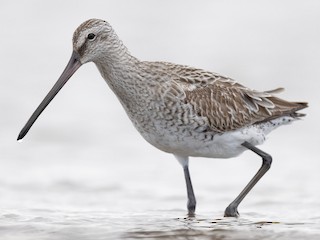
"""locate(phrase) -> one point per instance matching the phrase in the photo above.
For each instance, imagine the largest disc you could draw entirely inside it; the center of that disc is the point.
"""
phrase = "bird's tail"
(300, 105)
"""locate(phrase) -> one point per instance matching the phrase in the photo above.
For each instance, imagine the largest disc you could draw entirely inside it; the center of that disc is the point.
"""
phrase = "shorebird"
(185, 111)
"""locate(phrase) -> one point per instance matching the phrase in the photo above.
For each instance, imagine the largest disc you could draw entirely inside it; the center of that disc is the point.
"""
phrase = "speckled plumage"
(179, 109)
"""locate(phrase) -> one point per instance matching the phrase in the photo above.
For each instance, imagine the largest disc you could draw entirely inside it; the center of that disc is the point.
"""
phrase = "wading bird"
(180, 109)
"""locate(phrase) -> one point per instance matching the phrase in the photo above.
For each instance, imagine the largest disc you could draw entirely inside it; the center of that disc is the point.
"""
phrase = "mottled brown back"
(230, 106)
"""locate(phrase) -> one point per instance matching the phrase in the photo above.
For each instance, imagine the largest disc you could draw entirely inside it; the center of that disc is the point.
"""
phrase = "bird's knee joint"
(267, 160)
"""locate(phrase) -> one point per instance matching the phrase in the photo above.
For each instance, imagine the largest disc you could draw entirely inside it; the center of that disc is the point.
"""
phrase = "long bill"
(73, 64)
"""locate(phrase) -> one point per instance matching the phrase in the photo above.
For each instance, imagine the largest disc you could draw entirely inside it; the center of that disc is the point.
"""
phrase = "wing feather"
(224, 104)
(229, 106)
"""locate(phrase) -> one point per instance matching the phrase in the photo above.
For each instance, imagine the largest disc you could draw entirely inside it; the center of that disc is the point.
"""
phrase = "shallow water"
(95, 199)
(83, 172)
(46, 224)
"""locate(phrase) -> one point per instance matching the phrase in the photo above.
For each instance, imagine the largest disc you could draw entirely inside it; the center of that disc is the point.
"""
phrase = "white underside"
(225, 145)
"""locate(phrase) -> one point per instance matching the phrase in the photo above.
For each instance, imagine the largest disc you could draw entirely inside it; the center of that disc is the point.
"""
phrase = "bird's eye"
(91, 36)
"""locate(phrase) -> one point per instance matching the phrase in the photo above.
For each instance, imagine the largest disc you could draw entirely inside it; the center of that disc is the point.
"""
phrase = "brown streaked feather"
(229, 106)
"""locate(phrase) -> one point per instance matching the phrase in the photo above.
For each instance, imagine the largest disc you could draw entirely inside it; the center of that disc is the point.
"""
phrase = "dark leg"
(191, 198)
(184, 161)
(232, 209)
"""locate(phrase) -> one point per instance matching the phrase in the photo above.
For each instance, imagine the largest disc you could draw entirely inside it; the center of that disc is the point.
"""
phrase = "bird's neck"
(119, 69)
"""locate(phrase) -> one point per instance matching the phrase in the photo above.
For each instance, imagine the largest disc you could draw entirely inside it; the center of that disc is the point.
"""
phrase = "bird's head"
(93, 40)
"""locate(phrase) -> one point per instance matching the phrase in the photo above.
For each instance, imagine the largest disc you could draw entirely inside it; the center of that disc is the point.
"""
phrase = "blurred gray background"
(83, 152)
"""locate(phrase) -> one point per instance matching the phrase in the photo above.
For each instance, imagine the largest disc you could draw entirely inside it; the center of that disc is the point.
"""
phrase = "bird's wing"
(228, 105)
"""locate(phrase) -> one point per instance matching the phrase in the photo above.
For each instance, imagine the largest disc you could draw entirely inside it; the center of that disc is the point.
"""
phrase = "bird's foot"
(231, 211)
(191, 211)
(191, 205)
(191, 214)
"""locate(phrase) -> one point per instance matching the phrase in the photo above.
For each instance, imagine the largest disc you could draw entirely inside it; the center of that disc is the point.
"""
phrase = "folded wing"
(229, 106)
